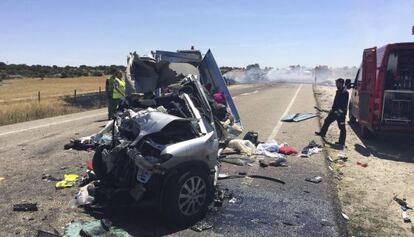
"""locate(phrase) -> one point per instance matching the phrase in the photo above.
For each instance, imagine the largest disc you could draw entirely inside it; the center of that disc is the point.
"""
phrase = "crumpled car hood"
(152, 121)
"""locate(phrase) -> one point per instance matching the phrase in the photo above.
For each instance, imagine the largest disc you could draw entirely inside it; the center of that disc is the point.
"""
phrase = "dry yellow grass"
(16, 105)
(29, 87)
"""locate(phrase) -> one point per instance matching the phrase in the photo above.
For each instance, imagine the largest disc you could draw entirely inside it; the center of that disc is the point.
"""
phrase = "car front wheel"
(187, 197)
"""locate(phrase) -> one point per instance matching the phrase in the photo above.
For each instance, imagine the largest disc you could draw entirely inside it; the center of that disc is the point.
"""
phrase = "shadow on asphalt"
(398, 147)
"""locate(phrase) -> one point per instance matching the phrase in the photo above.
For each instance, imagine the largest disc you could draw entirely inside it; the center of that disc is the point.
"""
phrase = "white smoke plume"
(292, 74)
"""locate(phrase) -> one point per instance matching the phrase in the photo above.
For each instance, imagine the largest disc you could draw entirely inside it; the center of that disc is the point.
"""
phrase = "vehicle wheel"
(187, 197)
(365, 132)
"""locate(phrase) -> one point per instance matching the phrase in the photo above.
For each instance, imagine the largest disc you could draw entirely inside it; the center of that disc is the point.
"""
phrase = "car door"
(354, 102)
(210, 75)
(366, 91)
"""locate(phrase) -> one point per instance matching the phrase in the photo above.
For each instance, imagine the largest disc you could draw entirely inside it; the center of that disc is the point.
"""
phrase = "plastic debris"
(405, 217)
(83, 197)
(233, 200)
(25, 207)
(50, 178)
(404, 207)
(403, 203)
(345, 216)
(316, 179)
(68, 181)
(244, 146)
(201, 226)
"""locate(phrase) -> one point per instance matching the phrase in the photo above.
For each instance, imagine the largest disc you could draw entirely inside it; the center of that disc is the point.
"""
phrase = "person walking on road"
(337, 113)
(115, 90)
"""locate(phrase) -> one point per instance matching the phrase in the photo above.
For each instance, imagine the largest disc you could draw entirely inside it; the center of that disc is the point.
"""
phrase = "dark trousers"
(341, 124)
(112, 105)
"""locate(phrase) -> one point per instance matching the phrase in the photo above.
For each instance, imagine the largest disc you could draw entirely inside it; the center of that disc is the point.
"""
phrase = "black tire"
(186, 210)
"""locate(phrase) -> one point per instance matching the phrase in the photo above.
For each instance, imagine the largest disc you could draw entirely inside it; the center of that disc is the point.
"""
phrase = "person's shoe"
(340, 145)
(319, 134)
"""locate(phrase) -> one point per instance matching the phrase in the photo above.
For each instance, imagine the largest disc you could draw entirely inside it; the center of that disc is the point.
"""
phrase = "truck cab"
(382, 96)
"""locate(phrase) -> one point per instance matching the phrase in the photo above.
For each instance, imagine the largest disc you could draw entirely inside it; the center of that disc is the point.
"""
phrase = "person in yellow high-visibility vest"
(115, 90)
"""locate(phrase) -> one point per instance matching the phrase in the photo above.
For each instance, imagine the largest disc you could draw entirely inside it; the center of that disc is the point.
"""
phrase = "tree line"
(10, 71)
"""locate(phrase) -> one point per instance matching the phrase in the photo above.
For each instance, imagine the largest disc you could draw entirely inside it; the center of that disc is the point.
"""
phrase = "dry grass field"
(29, 87)
(19, 97)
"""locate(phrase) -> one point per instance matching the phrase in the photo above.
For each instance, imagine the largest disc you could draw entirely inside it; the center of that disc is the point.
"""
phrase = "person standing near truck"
(115, 90)
(337, 113)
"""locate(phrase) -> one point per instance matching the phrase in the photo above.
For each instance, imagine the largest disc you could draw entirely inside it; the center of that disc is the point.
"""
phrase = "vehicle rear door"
(367, 87)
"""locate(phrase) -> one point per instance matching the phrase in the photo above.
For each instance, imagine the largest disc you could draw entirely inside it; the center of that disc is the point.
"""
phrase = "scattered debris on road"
(404, 208)
(201, 226)
(25, 207)
(67, 182)
(93, 228)
(226, 176)
(50, 178)
(252, 136)
(41, 233)
(270, 149)
(310, 149)
(298, 117)
(345, 216)
(316, 179)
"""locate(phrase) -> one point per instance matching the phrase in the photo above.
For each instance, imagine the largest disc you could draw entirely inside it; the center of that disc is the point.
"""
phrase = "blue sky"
(239, 32)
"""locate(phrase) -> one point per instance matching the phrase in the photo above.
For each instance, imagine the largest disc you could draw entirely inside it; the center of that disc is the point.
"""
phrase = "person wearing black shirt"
(338, 112)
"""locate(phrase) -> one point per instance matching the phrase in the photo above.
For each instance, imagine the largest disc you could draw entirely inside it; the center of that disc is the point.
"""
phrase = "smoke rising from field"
(292, 74)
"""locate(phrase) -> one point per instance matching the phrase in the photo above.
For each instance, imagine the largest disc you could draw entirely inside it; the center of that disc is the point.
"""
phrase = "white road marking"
(273, 134)
(52, 124)
(249, 93)
(279, 123)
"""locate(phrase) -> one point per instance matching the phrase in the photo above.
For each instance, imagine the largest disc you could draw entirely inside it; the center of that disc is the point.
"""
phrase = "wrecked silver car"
(163, 144)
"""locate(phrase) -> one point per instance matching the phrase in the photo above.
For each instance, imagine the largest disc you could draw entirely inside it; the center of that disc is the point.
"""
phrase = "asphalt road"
(262, 208)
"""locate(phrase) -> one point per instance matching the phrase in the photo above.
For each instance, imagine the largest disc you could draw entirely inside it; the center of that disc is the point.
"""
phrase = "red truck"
(382, 97)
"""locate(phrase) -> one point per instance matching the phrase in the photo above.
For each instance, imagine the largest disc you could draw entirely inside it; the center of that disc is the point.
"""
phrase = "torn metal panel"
(210, 73)
(298, 117)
